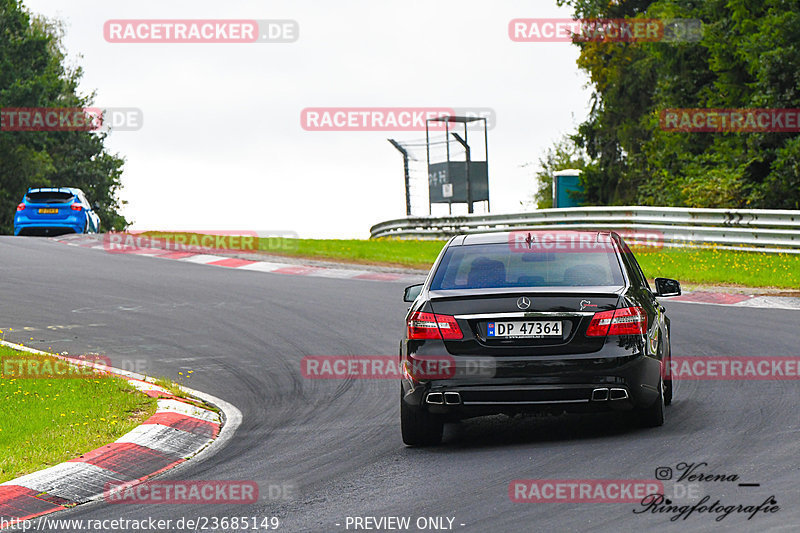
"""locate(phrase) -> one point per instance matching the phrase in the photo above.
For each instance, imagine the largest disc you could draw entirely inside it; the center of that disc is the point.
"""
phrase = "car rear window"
(482, 266)
(49, 197)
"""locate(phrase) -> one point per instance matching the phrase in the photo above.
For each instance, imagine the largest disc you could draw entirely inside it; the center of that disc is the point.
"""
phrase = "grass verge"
(709, 265)
(722, 267)
(48, 420)
(389, 252)
(703, 266)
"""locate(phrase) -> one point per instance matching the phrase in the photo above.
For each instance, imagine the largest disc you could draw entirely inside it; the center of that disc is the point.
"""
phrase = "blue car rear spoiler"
(50, 189)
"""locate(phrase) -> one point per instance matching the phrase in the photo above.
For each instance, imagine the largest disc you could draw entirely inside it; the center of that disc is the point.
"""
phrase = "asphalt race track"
(243, 334)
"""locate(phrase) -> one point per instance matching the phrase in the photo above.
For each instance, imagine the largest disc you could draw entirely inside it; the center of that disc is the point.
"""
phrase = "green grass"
(702, 266)
(723, 267)
(176, 389)
(45, 421)
(390, 252)
(169, 386)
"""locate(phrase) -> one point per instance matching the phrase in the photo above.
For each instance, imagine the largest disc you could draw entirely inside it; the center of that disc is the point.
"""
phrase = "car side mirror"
(667, 287)
(412, 292)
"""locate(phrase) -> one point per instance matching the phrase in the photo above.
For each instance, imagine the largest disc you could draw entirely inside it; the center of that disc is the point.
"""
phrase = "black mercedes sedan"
(558, 321)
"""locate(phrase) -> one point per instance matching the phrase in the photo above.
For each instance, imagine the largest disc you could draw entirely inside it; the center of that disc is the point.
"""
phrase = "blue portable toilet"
(566, 182)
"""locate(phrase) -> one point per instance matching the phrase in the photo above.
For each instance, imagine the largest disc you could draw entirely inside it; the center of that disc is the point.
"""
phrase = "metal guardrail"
(746, 229)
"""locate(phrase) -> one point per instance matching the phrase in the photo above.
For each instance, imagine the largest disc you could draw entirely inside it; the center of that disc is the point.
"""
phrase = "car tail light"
(449, 327)
(432, 326)
(20, 207)
(629, 321)
(624, 321)
(76, 207)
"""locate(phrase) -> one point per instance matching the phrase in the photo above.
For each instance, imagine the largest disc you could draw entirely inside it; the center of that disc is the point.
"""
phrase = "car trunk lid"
(50, 205)
(531, 321)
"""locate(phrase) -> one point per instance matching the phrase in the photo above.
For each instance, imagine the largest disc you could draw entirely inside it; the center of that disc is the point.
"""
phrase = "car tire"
(653, 416)
(667, 391)
(419, 427)
(668, 381)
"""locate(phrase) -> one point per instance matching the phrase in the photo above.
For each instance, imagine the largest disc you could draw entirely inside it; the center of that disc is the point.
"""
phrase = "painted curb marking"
(176, 432)
(185, 423)
(737, 300)
(246, 264)
(23, 502)
(696, 297)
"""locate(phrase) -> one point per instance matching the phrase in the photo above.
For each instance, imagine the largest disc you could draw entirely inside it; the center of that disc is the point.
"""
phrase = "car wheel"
(419, 427)
(653, 416)
(668, 378)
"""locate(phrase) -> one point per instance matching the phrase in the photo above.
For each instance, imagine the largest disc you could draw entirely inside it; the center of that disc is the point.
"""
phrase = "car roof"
(502, 237)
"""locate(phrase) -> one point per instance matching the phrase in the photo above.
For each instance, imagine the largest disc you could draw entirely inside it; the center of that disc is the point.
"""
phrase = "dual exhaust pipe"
(443, 398)
(603, 394)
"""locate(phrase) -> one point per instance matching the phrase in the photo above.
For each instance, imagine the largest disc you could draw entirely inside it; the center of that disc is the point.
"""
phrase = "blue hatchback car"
(55, 211)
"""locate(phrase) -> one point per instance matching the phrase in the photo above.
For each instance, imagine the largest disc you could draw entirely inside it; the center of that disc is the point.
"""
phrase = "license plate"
(524, 329)
(48, 211)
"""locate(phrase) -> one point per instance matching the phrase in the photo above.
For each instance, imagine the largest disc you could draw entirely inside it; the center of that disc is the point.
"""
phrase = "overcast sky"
(222, 146)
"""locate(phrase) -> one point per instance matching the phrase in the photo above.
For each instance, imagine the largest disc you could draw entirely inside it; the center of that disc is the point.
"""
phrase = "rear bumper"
(49, 227)
(611, 379)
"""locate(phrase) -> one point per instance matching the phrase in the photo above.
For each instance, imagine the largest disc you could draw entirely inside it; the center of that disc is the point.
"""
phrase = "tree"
(562, 155)
(32, 74)
(748, 57)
